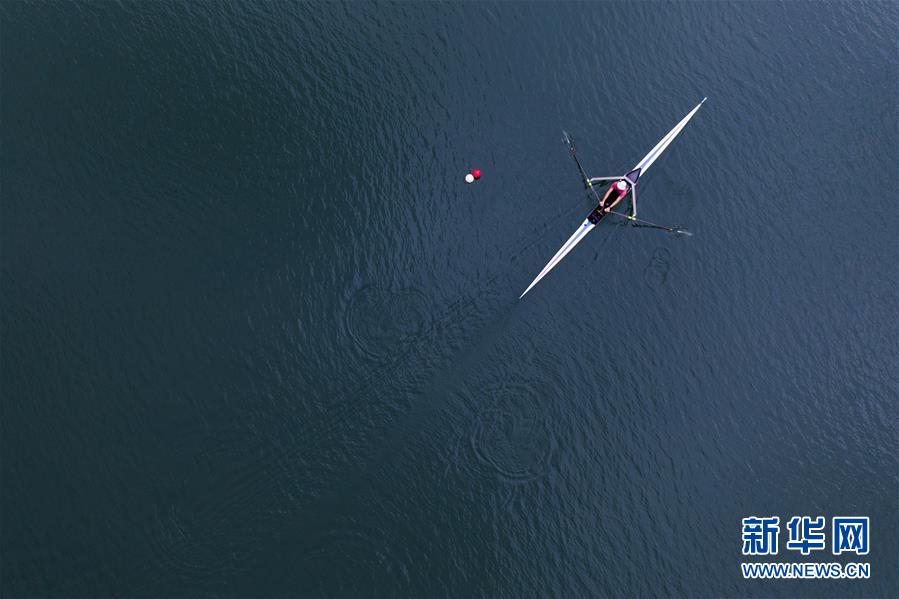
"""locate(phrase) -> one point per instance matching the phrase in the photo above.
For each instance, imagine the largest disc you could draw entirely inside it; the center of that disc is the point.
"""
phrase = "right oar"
(652, 225)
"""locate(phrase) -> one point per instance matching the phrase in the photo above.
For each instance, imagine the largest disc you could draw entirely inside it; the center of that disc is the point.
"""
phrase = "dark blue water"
(260, 339)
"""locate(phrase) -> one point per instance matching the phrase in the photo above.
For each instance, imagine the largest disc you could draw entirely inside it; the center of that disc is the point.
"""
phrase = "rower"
(616, 193)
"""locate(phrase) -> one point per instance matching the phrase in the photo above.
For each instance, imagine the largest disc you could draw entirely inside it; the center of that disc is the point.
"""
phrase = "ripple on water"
(351, 560)
(193, 551)
(511, 435)
(656, 272)
(383, 324)
(233, 491)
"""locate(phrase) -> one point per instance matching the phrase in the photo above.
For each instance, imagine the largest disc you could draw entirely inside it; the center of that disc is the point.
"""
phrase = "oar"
(652, 225)
(584, 176)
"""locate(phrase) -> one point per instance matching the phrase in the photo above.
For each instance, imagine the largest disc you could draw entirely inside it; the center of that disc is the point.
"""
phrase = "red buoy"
(476, 173)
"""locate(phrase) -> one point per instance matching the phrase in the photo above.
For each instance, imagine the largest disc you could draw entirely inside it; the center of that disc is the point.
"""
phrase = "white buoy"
(469, 178)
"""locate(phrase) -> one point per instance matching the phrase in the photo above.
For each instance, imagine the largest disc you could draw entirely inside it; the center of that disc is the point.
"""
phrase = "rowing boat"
(630, 178)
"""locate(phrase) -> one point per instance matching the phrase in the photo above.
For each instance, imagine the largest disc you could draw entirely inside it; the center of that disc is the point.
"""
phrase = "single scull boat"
(630, 179)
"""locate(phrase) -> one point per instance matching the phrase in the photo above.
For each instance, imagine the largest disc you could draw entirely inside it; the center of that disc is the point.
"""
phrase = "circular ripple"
(187, 552)
(512, 436)
(231, 495)
(347, 560)
(656, 272)
(662, 256)
(383, 324)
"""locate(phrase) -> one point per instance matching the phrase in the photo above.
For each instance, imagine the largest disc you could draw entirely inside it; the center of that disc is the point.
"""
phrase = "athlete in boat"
(615, 194)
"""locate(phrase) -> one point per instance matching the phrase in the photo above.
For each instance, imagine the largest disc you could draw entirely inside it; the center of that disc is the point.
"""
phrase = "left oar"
(571, 149)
